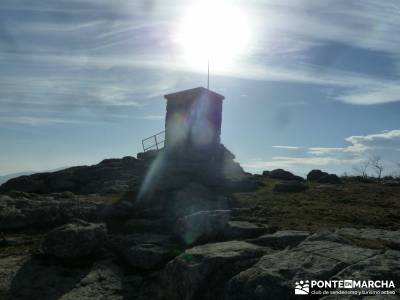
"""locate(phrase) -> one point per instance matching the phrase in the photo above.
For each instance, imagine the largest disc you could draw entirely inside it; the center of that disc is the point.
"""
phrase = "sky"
(315, 87)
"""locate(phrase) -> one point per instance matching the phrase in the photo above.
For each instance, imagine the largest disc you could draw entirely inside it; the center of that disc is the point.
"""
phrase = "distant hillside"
(109, 176)
(7, 177)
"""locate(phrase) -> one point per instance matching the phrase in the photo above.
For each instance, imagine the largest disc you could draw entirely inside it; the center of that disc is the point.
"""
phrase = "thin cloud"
(287, 147)
(289, 162)
(37, 121)
(385, 144)
(74, 92)
(389, 139)
(324, 150)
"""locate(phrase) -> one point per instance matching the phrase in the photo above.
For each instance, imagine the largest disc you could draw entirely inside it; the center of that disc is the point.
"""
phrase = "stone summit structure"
(192, 151)
(193, 120)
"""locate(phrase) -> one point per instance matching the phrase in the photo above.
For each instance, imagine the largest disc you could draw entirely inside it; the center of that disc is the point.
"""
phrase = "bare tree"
(377, 165)
(362, 168)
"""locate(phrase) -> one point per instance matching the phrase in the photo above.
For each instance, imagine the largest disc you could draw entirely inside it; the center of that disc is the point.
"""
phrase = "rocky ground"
(246, 239)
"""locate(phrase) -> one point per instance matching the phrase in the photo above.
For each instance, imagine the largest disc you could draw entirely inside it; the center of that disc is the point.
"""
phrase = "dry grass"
(17, 244)
(107, 199)
(349, 205)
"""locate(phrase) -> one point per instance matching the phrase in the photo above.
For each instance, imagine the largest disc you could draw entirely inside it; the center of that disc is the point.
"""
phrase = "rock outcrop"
(145, 251)
(34, 279)
(30, 210)
(202, 272)
(75, 240)
(282, 175)
(323, 177)
(214, 169)
(202, 226)
(281, 239)
(387, 238)
(109, 176)
(384, 266)
(272, 277)
(239, 230)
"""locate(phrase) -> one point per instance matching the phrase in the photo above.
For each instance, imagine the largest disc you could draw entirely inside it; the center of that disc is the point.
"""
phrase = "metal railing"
(154, 142)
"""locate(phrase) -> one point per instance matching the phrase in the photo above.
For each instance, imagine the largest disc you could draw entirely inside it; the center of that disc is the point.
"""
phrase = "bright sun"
(215, 31)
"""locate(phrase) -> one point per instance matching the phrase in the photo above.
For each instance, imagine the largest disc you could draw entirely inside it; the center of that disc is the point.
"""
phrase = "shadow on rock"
(37, 279)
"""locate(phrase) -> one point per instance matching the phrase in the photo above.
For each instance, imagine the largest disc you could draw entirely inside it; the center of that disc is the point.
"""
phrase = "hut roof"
(194, 93)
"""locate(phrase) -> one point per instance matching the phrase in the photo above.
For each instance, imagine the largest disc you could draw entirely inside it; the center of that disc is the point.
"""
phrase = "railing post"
(155, 138)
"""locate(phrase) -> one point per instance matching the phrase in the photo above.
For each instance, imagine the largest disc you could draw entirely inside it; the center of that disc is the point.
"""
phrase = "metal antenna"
(208, 61)
(208, 73)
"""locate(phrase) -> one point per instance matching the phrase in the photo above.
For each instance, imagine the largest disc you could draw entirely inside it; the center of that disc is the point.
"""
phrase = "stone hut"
(192, 153)
(193, 120)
